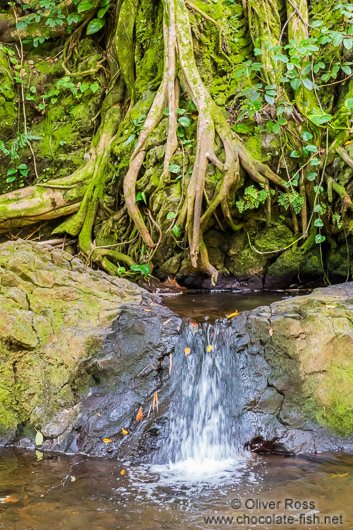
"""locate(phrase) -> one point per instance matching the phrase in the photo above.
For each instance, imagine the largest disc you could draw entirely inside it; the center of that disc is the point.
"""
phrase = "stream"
(201, 477)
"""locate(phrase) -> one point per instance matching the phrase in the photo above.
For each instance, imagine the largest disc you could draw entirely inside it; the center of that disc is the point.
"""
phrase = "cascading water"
(202, 431)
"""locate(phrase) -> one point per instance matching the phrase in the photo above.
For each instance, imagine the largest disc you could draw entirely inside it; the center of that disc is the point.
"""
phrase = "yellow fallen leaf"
(124, 431)
(270, 332)
(187, 351)
(152, 303)
(122, 472)
(139, 414)
(233, 314)
(209, 348)
(147, 310)
(155, 401)
(331, 306)
(349, 142)
(98, 414)
(339, 476)
(106, 440)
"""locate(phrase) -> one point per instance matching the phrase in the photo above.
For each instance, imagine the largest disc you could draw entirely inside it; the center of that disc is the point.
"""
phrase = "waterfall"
(202, 417)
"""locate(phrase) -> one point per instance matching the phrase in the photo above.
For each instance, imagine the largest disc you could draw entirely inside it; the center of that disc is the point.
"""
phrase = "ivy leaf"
(311, 175)
(241, 128)
(318, 222)
(174, 168)
(95, 25)
(85, 5)
(176, 230)
(94, 87)
(184, 121)
(307, 136)
(10, 179)
(319, 238)
(145, 269)
(320, 119)
(170, 215)
(294, 154)
(11, 171)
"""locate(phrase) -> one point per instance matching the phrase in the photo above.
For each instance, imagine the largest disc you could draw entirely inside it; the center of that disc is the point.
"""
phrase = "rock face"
(82, 352)
(54, 315)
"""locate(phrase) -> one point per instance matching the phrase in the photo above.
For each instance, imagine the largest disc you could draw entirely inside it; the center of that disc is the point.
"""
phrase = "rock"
(54, 315)
(88, 351)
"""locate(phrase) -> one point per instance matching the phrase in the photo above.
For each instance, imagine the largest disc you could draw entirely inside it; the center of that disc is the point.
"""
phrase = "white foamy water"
(201, 442)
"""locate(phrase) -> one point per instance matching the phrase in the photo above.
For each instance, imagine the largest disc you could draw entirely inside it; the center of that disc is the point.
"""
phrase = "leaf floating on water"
(339, 475)
(233, 314)
(124, 431)
(39, 439)
(139, 414)
(209, 348)
(122, 472)
(106, 440)
(270, 332)
(187, 351)
(9, 498)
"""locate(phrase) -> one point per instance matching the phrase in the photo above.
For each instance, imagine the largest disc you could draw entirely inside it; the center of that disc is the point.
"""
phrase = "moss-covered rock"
(53, 310)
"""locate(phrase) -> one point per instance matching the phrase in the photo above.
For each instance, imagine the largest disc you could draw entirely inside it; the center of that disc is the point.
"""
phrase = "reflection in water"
(210, 306)
(100, 498)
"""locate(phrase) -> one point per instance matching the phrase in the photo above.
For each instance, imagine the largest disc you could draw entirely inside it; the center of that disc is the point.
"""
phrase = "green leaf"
(307, 136)
(174, 168)
(176, 230)
(144, 269)
(295, 83)
(347, 69)
(348, 43)
(311, 175)
(282, 121)
(85, 5)
(95, 25)
(320, 119)
(269, 99)
(170, 215)
(129, 140)
(280, 57)
(315, 161)
(121, 270)
(349, 103)
(84, 87)
(318, 223)
(94, 87)
(10, 179)
(294, 154)
(311, 148)
(184, 121)
(241, 128)
(141, 196)
(102, 12)
(21, 25)
(11, 171)
(39, 439)
(308, 83)
(319, 238)
(317, 23)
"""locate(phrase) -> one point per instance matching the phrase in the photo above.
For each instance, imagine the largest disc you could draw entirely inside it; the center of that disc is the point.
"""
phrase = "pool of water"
(41, 491)
(49, 492)
(212, 305)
